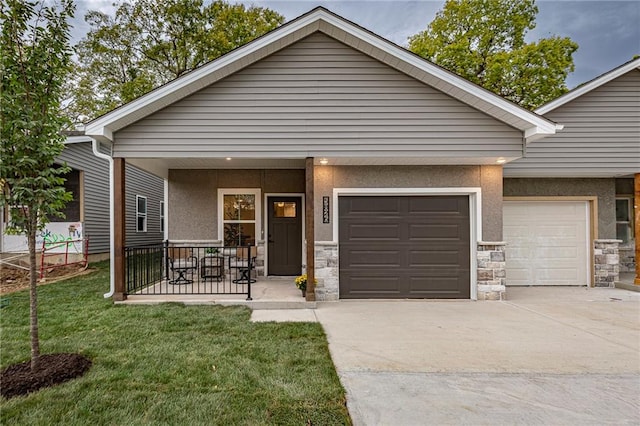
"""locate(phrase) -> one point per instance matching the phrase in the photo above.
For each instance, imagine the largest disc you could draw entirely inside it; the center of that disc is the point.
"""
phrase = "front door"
(285, 235)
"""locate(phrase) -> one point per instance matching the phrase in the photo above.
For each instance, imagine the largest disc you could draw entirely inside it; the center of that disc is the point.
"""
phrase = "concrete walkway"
(556, 356)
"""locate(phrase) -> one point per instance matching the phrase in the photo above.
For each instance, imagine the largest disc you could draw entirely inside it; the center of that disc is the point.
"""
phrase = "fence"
(164, 269)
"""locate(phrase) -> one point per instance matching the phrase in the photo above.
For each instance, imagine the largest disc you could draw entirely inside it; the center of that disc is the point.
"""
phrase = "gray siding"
(139, 182)
(601, 135)
(317, 97)
(604, 189)
(96, 193)
(96, 198)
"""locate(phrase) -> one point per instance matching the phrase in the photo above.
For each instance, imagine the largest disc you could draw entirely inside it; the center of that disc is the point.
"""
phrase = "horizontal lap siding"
(318, 95)
(601, 135)
(142, 183)
(96, 193)
(96, 198)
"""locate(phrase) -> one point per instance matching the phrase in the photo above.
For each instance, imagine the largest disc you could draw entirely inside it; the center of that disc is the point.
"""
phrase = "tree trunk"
(33, 300)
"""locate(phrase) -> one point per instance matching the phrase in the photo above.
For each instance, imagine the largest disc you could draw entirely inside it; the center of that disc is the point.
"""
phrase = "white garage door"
(547, 242)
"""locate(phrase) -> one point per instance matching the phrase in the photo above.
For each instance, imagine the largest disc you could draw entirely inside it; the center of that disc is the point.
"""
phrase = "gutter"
(112, 248)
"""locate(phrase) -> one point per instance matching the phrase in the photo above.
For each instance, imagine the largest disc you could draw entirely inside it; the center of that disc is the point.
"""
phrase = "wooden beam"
(636, 214)
(309, 230)
(119, 231)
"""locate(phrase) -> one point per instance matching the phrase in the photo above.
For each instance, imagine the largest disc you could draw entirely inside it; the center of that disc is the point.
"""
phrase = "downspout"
(112, 249)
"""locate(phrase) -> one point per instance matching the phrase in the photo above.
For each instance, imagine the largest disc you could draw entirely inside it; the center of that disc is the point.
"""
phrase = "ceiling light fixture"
(501, 160)
(228, 158)
(324, 161)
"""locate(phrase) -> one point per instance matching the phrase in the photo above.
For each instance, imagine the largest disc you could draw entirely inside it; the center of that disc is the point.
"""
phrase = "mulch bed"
(18, 379)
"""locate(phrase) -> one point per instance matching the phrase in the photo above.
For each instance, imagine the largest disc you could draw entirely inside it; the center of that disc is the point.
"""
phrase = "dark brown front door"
(404, 247)
(285, 235)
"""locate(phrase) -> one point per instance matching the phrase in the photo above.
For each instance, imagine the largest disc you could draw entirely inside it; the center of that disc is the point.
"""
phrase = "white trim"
(588, 87)
(258, 219)
(475, 216)
(77, 139)
(265, 232)
(313, 21)
(165, 183)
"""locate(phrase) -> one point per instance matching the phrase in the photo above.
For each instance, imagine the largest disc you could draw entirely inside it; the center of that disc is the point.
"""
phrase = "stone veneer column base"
(491, 272)
(326, 271)
(606, 262)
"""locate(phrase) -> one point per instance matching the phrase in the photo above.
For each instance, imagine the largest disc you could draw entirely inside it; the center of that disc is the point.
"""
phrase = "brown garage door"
(404, 247)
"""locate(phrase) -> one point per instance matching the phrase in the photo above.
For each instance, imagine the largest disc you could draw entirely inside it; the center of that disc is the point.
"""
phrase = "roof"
(589, 86)
(321, 20)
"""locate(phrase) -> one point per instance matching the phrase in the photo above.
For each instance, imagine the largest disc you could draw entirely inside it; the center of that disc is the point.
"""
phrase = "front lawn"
(169, 364)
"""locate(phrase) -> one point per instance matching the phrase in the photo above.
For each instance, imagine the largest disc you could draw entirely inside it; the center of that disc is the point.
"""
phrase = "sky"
(607, 31)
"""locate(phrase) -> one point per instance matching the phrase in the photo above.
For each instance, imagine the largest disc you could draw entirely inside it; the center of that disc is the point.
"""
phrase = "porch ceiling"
(161, 166)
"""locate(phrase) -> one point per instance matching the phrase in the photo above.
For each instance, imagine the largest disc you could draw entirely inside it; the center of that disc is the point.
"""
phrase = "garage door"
(404, 247)
(547, 242)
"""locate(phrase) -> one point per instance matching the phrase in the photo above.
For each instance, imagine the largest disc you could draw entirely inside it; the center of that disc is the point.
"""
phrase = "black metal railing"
(162, 269)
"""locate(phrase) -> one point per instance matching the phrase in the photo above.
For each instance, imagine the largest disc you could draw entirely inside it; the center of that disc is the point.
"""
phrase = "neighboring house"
(87, 215)
(576, 188)
(335, 152)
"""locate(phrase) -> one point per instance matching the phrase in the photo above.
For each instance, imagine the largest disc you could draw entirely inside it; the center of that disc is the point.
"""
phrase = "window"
(71, 210)
(239, 212)
(161, 216)
(284, 209)
(141, 213)
(624, 224)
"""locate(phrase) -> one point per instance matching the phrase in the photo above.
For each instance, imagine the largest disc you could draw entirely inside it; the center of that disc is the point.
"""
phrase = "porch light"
(228, 158)
(501, 160)
(324, 161)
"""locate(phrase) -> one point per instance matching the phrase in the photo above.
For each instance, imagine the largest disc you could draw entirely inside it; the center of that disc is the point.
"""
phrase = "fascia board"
(77, 139)
(588, 87)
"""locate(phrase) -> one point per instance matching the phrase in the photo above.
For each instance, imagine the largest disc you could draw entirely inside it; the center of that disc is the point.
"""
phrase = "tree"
(149, 43)
(484, 41)
(34, 63)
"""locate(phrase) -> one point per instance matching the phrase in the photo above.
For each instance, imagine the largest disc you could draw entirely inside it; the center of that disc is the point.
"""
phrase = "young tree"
(148, 43)
(484, 41)
(34, 63)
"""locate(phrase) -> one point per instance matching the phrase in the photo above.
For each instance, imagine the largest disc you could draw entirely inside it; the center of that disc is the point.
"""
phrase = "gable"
(532, 126)
(319, 97)
(601, 135)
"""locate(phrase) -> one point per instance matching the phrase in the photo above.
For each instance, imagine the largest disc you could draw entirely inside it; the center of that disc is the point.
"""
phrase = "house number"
(325, 210)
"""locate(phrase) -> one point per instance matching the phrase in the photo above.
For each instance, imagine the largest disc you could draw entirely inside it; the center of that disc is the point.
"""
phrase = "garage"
(395, 247)
(547, 242)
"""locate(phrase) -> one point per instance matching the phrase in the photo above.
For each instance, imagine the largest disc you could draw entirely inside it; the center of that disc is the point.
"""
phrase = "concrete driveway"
(556, 356)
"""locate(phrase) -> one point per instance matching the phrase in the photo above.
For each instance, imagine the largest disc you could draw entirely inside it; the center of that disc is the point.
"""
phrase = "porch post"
(119, 227)
(309, 230)
(636, 214)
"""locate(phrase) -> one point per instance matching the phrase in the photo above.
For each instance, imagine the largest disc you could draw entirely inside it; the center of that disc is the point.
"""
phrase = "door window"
(284, 209)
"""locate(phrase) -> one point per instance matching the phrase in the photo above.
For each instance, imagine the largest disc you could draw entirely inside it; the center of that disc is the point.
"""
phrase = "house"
(87, 215)
(332, 151)
(571, 196)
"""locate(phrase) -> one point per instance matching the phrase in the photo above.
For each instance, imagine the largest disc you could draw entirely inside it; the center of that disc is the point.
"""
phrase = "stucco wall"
(604, 189)
(193, 196)
(488, 178)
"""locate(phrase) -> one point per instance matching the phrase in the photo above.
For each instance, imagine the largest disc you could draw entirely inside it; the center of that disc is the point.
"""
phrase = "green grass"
(169, 364)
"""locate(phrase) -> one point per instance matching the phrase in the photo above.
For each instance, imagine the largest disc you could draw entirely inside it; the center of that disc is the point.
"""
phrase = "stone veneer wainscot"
(606, 262)
(492, 274)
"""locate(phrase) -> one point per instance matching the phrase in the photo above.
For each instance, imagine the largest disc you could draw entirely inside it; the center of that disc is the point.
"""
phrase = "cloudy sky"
(607, 31)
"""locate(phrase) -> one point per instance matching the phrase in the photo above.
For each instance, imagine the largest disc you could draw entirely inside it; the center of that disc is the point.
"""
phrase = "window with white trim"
(624, 221)
(239, 216)
(141, 213)
(161, 216)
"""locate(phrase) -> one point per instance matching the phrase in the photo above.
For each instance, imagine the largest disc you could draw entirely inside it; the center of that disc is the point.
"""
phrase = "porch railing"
(165, 269)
